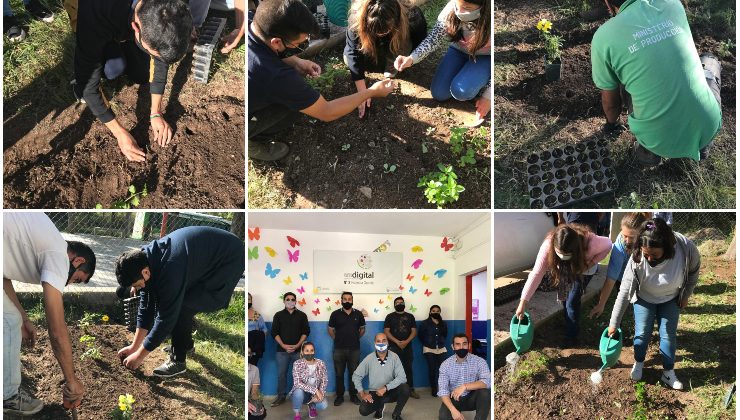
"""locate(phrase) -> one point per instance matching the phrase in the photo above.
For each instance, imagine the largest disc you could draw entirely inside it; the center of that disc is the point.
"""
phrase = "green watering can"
(522, 332)
(610, 348)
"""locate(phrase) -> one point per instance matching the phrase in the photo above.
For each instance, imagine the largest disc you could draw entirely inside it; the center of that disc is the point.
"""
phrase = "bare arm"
(332, 332)
(362, 331)
(58, 334)
(413, 334)
(612, 104)
(332, 110)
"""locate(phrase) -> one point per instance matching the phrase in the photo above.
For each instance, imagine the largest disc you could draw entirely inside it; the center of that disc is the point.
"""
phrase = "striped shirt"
(454, 372)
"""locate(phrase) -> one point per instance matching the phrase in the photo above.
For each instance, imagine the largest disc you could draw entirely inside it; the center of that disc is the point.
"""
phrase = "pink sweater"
(597, 248)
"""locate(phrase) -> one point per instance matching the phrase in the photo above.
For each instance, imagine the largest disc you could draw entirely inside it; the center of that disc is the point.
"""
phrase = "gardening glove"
(613, 129)
(72, 393)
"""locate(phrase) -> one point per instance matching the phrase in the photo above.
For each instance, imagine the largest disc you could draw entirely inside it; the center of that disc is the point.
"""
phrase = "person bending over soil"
(644, 58)
(465, 70)
(139, 39)
(278, 30)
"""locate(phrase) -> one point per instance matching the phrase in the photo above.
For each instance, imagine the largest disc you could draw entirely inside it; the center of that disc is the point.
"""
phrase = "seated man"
(464, 383)
(646, 53)
(386, 381)
(140, 39)
(278, 91)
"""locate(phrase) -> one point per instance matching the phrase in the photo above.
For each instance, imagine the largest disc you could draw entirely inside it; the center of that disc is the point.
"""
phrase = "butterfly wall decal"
(293, 242)
(400, 287)
(304, 276)
(301, 290)
(417, 248)
(444, 290)
(446, 244)
(424, 278)
(270, 251)
(317, 301)
(253, 253)
(427, 292)
(293, 256)
(270, 272)
(416, 264)
(287, 280)
(302, 302)
(412, 289)
(254, 234)
(316, 312)
(409, 277)
(440, 273)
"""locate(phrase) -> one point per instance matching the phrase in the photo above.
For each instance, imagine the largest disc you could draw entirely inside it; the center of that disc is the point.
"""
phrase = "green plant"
(465, 146)
(553, 43)
(125, 409)
(91, 351)
(725, 48)
(88, 319)
(333, 70)
(346, 147)
(131, 200)
(389, 169)
(441, 187)
(643, 402)
(533, 364)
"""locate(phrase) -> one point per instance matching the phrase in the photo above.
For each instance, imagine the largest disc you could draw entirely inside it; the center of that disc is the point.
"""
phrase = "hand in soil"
(403, 62)
(72, 393)
(134, 360)
(129, 148)
(162, 131)
(28, 333)
(232, 40)
(613, 129)
(126, 352)
(383, 88)
(596, 311)
(364, 107)
(482, 108)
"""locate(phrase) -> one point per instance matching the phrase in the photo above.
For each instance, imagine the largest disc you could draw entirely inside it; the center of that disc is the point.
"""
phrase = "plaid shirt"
(453, 373)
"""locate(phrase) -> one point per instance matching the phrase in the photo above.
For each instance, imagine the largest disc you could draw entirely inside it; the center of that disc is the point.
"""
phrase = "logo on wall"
(365, 262)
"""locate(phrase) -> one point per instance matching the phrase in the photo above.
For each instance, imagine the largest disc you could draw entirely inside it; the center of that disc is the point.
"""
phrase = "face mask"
(467, 16)
(309, 357)
(400, 308)
(436, 316)
(461, 353)
(563, 257)
(381, 347)
(347, 305)
(653, 263)
(291, 51)
(290, 305)
(249, 306)
(72, 270)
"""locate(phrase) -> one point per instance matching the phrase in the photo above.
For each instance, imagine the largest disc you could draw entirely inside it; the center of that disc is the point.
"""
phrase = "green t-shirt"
(648, 48)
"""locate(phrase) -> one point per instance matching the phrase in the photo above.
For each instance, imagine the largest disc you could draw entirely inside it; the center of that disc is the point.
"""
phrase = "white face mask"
(467, 16)
(563, 257)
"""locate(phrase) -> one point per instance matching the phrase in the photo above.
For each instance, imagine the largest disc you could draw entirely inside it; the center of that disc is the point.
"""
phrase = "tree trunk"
(237, 224)
(730, 253)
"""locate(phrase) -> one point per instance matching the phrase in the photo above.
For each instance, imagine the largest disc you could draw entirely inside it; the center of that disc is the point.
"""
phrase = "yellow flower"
(130, 399)
(105, 318)
(122, 407)
(544, 25)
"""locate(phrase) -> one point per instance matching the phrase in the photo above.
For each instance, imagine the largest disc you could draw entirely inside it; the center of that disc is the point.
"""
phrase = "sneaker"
(277, 401)
(169, 369)
(39, 11)
(22, 404)
(636, 373)
(354, 399)
(297, 416)
(669, 378)
(645, 157)
(379, 412)
(414, 395)
(312, 412)
(267, 152)
(13, 30)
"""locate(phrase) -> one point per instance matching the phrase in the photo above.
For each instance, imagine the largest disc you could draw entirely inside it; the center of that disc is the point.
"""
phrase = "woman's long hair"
(482, 34)
(655, 233)
(373, 17)
(568, 239)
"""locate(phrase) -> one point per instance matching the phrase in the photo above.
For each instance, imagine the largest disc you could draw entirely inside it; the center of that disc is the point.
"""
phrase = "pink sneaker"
(297, 416)
(312, 412)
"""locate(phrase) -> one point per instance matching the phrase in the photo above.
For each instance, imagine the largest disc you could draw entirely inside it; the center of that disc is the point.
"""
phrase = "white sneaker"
(637, 371)
(669, 378)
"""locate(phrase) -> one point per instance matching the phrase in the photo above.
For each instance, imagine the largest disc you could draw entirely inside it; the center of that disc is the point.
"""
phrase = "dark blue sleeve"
(355, 58)
(291, 90)
(147, 310)
(169, 304)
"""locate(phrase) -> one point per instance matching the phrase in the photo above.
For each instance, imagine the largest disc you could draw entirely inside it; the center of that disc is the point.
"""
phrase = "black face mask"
(291, 51)
(655, 262)
(72, 270)
(461, 353)
(436, 316)
(400, 307)
(249, 305)
(347, 305)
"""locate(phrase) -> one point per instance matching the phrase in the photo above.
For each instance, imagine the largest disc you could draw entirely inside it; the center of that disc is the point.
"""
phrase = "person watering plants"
(644, 58)
(141, 39)
(464, 383)
(570, 254)
(278, 91)
(192, 270)
(35, 252)
(621, 250)
(309, 382)
(257, 332)
(659, 279)
(433, 333)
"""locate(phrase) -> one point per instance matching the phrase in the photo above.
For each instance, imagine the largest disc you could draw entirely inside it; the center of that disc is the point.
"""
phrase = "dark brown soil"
(105, 379)
(317, 173)
(62, 157)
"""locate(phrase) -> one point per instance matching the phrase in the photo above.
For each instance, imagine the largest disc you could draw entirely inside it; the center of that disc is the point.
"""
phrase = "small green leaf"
(135, 201)
(98, 206)
(424, 148)
(132, 189)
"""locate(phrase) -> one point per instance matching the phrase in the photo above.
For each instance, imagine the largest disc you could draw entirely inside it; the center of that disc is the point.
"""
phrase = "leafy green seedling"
(424, 147)
(132, 200)
(389, 168)
(430, 130)
(346, 147)
(441, 188)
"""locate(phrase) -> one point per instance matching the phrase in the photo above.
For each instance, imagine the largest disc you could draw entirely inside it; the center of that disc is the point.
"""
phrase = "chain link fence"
(110, 234)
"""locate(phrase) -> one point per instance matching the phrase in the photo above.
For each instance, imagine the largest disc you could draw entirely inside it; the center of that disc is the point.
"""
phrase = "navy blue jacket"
(194, 267)
(432, 335)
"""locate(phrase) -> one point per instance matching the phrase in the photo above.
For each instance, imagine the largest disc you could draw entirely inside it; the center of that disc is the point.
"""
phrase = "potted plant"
(553, 43)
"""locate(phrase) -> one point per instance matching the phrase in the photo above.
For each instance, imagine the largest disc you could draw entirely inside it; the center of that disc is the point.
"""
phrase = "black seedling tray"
(210, 34)
(567, 175)
(130, 310)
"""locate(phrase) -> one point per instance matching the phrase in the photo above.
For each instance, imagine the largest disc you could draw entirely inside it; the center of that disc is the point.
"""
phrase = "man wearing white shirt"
(34, 252)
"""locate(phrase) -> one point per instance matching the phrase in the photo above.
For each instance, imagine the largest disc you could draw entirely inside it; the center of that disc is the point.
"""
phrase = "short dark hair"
(435, 306)
(307, 343)
(285, 19)
(166, 26)
(128, 270)
(655, 233)
(291, 294)
(460, 335)
(399, 298)
(84, 251)
(346, 293)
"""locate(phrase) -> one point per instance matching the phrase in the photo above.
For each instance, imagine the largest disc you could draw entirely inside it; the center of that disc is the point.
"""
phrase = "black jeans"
(345, 359)
(271, 120)
(434, 361)
(407, 359)
(478, 401)
(399, 395)
(182, 334)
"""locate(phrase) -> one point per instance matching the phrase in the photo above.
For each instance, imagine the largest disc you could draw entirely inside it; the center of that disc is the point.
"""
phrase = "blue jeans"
(284, 359)
(667, 314)
(572, 306)
(301, 397)
(7, 11)
(459, 77)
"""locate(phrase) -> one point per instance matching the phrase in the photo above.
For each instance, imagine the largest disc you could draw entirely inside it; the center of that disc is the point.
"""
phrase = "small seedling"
(346, 147)
(88, 319)
(424, 147)
(430, 131)
(725, 48)
(441, 187)
(132, 200)
(389, 169)
(92, 351)
(333, 70)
